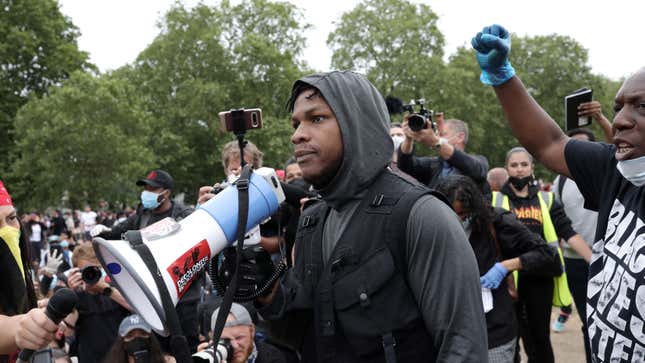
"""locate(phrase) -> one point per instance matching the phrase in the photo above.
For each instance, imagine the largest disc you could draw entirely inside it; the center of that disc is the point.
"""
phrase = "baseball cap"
(132, 322)
(157, 178)
(241, 316)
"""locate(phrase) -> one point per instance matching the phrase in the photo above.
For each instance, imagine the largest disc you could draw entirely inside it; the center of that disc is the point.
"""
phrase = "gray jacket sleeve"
(443, 276)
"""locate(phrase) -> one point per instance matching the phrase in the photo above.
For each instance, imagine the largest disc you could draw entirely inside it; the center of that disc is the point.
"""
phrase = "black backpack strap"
(398, 204)
(178, 342)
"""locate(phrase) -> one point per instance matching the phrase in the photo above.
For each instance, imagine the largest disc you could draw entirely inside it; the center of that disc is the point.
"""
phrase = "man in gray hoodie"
(383, 271)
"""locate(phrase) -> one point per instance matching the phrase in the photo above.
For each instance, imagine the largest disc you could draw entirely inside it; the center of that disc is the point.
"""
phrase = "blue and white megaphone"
(183, 249)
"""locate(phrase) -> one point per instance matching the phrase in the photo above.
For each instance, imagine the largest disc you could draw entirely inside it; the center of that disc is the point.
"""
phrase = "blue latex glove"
(493, 44)
(494, 276)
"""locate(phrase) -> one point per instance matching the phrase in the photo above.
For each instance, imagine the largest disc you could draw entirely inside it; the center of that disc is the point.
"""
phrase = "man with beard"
(611, 179)
(382, 268)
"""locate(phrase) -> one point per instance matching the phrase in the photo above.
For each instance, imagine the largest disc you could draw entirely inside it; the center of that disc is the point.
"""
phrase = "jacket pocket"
(360, 285)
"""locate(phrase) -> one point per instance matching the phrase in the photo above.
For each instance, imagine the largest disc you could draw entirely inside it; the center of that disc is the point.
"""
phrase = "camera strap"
(178, 342)
(242, 217)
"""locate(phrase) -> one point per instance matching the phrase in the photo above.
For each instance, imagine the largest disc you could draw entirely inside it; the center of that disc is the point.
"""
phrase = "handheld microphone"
(58, 307)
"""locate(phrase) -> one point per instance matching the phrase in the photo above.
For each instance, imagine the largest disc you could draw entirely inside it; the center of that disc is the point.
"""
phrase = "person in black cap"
(156, 204)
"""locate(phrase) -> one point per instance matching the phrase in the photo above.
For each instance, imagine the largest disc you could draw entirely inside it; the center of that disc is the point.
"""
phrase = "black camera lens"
(91, 274)
(417, 122)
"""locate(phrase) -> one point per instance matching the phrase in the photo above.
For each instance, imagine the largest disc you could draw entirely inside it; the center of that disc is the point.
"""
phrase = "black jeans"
(577, 275)
(533, 311)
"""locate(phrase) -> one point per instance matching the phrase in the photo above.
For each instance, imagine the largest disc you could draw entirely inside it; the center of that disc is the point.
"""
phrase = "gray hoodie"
(364, 124)
(441, 267)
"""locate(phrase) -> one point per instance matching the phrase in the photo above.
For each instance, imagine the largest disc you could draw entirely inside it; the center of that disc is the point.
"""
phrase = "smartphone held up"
(240, 120)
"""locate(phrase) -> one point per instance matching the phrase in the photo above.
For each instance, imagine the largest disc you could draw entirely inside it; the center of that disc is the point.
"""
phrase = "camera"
(220, 353)
(91, 274)
(219, 187)
(418, 121)
(241, 120)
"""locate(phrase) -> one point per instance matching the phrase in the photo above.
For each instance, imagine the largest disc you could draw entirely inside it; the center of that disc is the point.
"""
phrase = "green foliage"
(86, 140)
(89, 137)
(212, 59)
(37, 50)
(395, 43)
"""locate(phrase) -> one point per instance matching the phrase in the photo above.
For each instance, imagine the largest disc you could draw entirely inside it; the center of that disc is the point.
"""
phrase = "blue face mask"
(149, 199)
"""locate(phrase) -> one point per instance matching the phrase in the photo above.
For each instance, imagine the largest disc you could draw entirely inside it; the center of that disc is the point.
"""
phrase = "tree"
(37, 50)
(87, 140)
(211, 59)
(550, 67)
(395, 43)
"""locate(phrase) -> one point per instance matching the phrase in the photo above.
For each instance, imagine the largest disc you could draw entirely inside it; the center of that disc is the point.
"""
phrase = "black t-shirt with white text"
(616, 289)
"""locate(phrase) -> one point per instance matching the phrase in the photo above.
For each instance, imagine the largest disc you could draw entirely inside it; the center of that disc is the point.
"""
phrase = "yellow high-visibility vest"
(561, 294)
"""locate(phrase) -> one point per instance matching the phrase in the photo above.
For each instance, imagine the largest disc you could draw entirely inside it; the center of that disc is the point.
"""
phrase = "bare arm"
(512, 264)
(594, 109)
(580, 246)
(532, 126)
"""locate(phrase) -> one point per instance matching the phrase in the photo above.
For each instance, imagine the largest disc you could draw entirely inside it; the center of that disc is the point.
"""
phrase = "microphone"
(293, 194)
(58, 307)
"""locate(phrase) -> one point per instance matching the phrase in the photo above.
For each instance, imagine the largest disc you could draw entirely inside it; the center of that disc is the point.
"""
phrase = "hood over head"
(364, 125)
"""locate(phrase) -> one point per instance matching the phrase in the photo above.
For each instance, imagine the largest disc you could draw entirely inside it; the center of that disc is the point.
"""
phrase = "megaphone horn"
(182, 249)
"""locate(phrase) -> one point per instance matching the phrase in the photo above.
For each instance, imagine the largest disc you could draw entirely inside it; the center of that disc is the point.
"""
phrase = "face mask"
(149, 199)
(64, 244)
(11, 236)
(397, 140)
(231, 178)
(138, 346)
(520, 183)
(633, 170)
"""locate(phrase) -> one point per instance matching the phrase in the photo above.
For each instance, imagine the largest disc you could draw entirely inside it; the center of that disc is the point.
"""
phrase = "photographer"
(100, 307)
(239, 338)
(449, 140)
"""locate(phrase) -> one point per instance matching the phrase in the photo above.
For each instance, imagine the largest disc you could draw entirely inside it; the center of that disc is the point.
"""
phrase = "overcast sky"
(114, 32)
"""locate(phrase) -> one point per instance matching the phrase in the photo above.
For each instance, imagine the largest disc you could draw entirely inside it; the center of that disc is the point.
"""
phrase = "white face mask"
(633, 170)
(231, 178)
(397, 140)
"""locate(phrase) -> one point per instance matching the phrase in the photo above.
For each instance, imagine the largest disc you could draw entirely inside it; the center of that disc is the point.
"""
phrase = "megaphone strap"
(242, 217)
(178, 342)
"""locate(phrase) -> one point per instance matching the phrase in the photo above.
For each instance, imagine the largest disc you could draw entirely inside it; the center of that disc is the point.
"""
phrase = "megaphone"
(183, 249)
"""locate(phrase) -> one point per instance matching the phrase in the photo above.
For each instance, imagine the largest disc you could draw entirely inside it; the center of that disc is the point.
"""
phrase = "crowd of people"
(391, 257)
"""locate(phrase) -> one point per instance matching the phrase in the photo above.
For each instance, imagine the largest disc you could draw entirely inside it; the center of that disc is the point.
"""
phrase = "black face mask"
(520, 183)
(138, 348)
